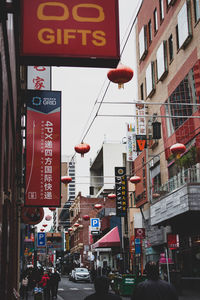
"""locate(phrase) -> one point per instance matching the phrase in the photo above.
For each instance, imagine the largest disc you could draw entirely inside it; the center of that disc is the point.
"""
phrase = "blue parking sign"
(41, 239)
(95, 222)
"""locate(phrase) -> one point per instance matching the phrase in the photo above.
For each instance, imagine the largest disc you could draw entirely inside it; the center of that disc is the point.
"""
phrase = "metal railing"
(191, 175)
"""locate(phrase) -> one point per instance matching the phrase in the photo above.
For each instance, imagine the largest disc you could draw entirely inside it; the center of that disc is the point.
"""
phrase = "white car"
(81, 274)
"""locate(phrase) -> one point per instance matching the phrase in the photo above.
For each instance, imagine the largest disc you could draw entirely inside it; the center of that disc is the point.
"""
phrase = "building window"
(170, 2)
(142, 91)
(143, 42)
(155, 18)
(161, 6)
(185, 93)
(161, 58)
(171, 51)
(150, 79)
(196, 10)
(150, 32)
(184, 26)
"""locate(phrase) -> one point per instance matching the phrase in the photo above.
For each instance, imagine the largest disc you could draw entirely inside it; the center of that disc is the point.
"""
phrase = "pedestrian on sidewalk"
(24, 288)
(44, 283)
(154, 288)
(101, 285)
(54, 281)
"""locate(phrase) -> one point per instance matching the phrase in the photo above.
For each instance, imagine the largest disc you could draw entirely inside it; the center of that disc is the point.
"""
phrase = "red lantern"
(70, 229)
(120, 75)
(178, 149)
(135, 179)
(82, 148)
(98, 206)
(76, 225)
(42, 229)
(48, 218)
(44, 225)
(66, 180)
(52, 208)
(86, 217)
(111, 196)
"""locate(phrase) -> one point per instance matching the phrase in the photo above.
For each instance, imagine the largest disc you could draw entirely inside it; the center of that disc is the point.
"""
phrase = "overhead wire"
(126, 38)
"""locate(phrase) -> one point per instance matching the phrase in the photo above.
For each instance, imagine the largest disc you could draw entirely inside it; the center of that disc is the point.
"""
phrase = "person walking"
(154, 288)
(24, 288)
(54, 281)
(44, 283)
(101, 285)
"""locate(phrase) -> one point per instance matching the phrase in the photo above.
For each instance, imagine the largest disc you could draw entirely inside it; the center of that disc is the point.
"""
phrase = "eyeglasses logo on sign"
(37, 101)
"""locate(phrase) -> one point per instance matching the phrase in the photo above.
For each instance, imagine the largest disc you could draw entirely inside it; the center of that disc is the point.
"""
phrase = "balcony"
(179, 195)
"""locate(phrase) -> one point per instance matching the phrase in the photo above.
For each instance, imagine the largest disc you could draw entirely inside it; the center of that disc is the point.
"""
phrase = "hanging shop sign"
(141, 142)
(131, 142)
(173, 241)
(139, 233)
(140, 120)
(121, 191)
(32, 215)
(38, 78)
(70, 33)
(43, 158)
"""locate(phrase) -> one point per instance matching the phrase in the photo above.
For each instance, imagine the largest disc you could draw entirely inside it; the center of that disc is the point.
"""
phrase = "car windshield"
(81, 270)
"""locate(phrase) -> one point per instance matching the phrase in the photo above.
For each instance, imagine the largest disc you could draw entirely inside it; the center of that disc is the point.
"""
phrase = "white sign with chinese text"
(38, 78)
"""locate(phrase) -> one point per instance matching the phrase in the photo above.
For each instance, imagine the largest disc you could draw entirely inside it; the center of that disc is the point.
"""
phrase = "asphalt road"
(69, 290)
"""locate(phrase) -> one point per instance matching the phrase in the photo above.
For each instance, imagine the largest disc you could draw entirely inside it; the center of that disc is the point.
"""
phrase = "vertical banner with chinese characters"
(131, 142)
(38, 78)
(43, 153)
(121, 191)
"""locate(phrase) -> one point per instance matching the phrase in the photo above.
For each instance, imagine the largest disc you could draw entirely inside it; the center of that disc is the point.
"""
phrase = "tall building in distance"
(72, 185)
(68, 192)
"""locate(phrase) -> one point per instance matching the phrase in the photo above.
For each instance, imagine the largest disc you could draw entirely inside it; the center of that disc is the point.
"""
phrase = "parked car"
(81, 274)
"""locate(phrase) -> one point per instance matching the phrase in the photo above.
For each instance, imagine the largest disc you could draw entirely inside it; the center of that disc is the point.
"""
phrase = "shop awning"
(110, 239)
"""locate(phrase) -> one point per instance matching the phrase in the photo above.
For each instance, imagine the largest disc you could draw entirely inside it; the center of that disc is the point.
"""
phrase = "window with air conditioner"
(161, 58)
(150, 82)
(143, 42)
(184, 25)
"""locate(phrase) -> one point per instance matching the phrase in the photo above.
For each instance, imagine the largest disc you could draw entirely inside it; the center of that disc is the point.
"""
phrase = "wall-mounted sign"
(141, 141)
(121, 191)
(131, 142)
(43, 153)
(70, 33)
(41, 239)
(38, 78)
(139, 233)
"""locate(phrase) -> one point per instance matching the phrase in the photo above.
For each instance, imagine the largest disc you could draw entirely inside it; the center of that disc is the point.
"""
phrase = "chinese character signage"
(38, 78)
(140, 120)
(131, 142)
(43, 153)
(73, 33)
(121, 191)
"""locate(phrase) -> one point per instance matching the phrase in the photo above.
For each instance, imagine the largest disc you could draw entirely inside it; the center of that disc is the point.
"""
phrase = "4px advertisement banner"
(43, 153)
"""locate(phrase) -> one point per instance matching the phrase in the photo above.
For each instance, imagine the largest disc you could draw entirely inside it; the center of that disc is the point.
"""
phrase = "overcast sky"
(81, 87)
